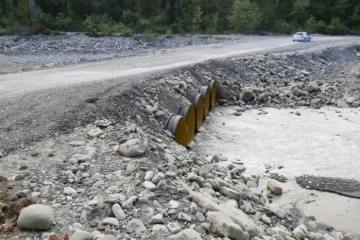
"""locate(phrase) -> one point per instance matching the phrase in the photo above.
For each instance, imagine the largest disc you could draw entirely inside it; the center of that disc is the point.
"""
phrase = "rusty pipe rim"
(205, 92)
(199, 111)
(213, 91)
(189, 114)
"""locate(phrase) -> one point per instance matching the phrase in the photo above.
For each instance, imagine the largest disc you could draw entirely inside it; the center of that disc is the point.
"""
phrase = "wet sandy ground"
(294, 142)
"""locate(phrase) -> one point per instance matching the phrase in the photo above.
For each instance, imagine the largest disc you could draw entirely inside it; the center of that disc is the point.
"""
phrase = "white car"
(301, 37)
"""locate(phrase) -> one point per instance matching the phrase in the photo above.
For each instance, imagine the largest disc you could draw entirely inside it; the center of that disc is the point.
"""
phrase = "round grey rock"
(36, 217)
(159, 231)
(133, 147)
(136, 227)
(274, 187)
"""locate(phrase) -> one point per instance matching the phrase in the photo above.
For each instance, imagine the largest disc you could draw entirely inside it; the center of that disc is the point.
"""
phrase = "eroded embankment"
(126, 177)
(313, 79)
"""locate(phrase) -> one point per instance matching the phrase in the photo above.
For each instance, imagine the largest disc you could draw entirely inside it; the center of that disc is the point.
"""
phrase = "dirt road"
(36, 80)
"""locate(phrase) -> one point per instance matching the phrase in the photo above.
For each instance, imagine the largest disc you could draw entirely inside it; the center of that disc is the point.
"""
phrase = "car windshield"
(299, 33)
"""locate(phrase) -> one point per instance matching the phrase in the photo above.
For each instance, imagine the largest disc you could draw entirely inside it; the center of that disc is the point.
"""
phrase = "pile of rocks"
(112, 181)
(294, 79)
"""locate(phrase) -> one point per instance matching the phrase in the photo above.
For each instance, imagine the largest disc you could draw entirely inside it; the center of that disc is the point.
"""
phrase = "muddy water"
(294, 142)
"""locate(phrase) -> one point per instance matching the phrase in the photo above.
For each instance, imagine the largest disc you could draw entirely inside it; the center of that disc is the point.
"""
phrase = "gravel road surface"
(131, 66)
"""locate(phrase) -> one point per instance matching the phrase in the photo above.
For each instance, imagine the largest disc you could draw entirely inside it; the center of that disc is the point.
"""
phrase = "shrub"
(148, 36)
(2, 31)
(314, 26)
(126, 32)
(284, 27)
(336, 27)
(168, 32)
(98, 25)
(131, 19)
(122, 29)
(63, 22)
(15, 29)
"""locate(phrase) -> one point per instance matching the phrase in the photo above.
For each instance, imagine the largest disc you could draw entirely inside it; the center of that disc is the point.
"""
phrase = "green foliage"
(104, 17)
(131, 19)
(2, 31)
(212, 23)
(197, 18)
(314, 26)
(59, 22)
(148, 36)
(300, 10)
(244, 16)
(98, 25)
(284, 27)
(336, 27)
(62, 22)
(122, 29)
(22, 13)
(126, 32)
(168, 32)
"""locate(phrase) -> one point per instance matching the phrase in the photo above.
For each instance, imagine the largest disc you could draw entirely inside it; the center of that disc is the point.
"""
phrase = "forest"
(127, 17)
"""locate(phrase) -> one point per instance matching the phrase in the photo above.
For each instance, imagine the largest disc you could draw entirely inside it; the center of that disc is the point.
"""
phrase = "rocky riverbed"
(113, 172)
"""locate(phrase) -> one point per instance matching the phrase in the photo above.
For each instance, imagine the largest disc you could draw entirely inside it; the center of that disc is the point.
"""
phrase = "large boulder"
(36, 217)
(225, 225)
(136, 227)
(247, 96)
(298, 92)
(133, 147)
(159, 231)
(312, 87)
(235, 214)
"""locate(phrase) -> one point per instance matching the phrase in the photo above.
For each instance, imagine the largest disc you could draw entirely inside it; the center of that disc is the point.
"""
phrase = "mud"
(279, 144)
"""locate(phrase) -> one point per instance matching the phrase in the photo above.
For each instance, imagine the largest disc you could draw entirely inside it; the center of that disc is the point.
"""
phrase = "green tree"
(212, 22)
(342, 9)
(23, 12)
(300, 11)
(314, 26)
(197, 18)
(244, 16)
(336, 27)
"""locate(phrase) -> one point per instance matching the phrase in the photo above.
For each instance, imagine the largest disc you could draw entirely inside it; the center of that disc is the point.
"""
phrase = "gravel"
(110, 169)
(25, 53)
(343, 186)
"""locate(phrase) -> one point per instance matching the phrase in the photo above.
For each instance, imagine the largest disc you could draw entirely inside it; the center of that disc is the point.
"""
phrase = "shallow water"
(324, 142)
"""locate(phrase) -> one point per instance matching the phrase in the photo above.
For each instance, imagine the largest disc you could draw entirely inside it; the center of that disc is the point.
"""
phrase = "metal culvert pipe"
(213, 90)
(199, 110)
(189, 114)
(204, 90)
(176, 124)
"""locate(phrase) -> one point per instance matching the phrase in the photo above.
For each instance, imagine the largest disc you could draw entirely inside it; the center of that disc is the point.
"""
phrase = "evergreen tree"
(197, 17)
(244, 16)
